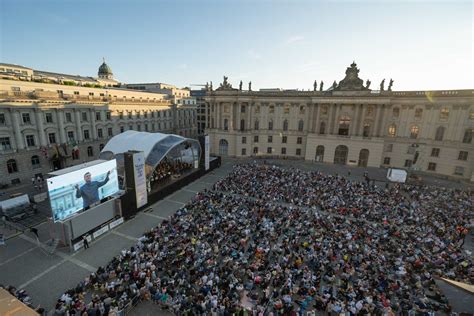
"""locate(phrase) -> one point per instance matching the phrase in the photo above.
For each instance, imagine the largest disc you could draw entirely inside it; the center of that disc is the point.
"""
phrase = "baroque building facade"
(49, 126)
(426, 131)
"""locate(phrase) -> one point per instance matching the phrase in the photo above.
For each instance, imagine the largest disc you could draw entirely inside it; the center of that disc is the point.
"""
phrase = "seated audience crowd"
(273, 241)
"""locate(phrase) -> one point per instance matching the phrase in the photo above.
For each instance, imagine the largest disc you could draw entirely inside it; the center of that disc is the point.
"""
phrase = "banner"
(206, 152)
(140, 178)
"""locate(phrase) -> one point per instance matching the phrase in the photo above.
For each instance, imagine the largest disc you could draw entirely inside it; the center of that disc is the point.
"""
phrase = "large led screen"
(74, 191)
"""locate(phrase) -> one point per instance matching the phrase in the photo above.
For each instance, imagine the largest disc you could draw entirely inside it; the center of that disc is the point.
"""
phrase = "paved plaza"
(45, 277)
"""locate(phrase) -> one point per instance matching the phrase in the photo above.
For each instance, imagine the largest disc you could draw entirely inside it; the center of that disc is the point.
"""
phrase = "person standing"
(86, 243)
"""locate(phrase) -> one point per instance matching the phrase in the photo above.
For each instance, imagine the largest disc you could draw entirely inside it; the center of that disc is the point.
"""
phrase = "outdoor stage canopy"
(156, 147)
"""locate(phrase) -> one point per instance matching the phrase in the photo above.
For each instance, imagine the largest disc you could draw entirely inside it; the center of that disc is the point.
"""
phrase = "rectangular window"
(432, 166)
(84, 116)
(459, 171)
(120, 115)
(109, 132)
(99, 133)
(255, 150)
(283, 150)
(444, 114)
(244, 151)
(286, 110)
(269, 150)
(244, 140)
(68, 117)
(298, 151)
(26, 118)
(138, 114)
(30, 140)
(130, 114)
(52, 138)
(255, 139)
(49, 117)
(408, 163)
(435, 152)
(272, 109)
(270, 139)
(284, 139)
(5, 143)
(139, 127)
(418, 113)
(463, 155)
(98, 116)
(86, 134)
(145, 114)
(70, 136)
(146, 127)
(299, 140)
(386, 161)
(2, 119)
(242, 109)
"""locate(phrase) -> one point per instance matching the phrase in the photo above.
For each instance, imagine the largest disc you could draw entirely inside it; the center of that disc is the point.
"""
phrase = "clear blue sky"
(288, 44)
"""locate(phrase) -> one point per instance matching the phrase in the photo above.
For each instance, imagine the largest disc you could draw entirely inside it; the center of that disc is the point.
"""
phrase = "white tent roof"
(133, 140)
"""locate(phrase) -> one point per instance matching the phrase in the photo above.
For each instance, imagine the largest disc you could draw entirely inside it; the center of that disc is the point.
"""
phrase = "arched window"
(242, 125)
(270, 125)
(439, 133)
(35, 162)
(226, 124)
(90, 151)
(344, 123)
(340, 154)
(396, 112)
(366, 131)
(223, 147)
(256, 125)
(392, 130)
(300, 125)
(11, 166)
(319, 153)
(285, 125)
(414, 131)
(322, 128)
(467, 139)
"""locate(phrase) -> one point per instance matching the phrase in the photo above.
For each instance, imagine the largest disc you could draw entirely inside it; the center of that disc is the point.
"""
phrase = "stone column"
(375, 131)
(249, 117)
(20, 143)
(93, 127)
(317, 122)
(353, 129)
(39, 123)
(360, 127)
(383, 118)
(78, 125)
(314, 117)
(336, 119)
(60, 120)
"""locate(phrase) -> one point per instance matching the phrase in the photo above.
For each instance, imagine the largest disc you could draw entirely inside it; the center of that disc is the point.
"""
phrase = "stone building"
(49, 126)
(427, 131)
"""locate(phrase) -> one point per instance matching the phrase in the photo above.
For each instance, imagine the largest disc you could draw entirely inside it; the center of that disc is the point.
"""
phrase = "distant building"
(348, 124)
(50, 121)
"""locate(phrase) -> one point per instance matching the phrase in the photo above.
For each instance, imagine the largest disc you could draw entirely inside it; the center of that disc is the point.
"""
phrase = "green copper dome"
(104, 69)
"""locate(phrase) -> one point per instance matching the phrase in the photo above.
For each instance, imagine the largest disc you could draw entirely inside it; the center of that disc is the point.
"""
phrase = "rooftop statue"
(250, 85)
(351, 82)
(382, 84)
(367, 84)
(390, 84)
(240, 85)
(321, 86)
(315, 85)
(225, 85)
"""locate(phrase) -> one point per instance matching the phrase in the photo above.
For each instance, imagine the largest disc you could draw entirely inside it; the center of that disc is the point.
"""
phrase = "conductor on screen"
(90, 190)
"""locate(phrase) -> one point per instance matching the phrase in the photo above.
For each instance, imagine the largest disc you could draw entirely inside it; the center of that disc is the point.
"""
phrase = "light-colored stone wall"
(371, 116)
